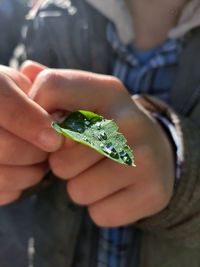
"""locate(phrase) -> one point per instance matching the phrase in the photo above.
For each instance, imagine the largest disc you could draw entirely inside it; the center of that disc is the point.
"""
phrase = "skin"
(150, 29)
(106, 187)
(25, 137)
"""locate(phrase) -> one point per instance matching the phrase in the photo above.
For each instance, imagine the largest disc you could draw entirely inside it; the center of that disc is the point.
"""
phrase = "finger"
(64, 162)
(100, 181)
(24, 118)
(20, 79)
(107, 177)
(127, 206)
(9, 197)
(73, 90)
(19, 178)
(31, 69)
(16, 151)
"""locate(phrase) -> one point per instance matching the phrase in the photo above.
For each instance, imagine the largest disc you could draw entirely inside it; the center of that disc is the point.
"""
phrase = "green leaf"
(98, 133)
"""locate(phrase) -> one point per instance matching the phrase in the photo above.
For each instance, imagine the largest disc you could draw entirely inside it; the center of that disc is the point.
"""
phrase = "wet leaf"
(98, 133)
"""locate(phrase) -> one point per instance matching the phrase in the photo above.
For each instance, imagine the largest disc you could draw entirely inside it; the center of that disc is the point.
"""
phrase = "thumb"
(31, 69)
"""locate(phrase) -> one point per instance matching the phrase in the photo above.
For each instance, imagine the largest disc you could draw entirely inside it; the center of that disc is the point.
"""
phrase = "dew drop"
(80, 129)
(98, 125)
(87, 122)
(125, 157)
(86, 139)
(74, 122)
(122, 153)
(110, 150)
(76, 126)
(102, 136)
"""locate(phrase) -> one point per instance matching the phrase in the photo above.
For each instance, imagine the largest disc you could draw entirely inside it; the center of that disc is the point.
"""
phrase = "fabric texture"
(113, 246)
(145, 76)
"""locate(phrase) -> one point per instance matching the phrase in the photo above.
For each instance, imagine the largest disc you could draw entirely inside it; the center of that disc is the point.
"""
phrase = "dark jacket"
(64, 234)
(12, 15)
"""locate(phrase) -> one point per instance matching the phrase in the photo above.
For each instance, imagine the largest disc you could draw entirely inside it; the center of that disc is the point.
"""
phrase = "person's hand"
(115, 194)
(25, 136)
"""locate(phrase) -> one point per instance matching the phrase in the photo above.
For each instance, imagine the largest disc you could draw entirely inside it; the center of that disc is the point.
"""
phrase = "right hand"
(115, 194)
(26, 137)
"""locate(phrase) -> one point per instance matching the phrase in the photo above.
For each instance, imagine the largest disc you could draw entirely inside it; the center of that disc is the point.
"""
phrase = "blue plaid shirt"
(152, 72)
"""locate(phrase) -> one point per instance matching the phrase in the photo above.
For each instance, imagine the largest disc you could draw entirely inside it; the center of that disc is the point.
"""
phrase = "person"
(160, 196)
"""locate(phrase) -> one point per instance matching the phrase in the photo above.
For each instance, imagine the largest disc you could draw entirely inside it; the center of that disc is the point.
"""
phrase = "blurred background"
(12, 16)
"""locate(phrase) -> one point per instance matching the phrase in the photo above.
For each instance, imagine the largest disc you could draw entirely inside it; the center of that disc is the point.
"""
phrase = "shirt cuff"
(176, 142)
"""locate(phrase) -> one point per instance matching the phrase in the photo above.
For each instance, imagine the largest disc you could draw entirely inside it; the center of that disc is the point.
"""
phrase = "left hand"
(115, 194)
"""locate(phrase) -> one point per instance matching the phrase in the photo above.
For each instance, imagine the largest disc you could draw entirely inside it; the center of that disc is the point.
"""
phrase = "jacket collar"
(117, 12)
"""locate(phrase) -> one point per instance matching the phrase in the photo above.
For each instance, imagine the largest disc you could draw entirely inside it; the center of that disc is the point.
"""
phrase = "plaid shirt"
(153, 73)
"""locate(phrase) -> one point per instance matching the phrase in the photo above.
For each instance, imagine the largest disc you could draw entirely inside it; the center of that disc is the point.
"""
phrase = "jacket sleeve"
(180, 221)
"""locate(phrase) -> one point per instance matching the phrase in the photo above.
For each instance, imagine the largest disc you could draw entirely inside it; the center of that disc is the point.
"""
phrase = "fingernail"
(50, 140)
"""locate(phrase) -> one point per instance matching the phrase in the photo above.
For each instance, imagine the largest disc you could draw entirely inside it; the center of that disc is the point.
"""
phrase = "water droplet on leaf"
(86, 139)
(98, 125)
(122, 153)
(74, 122)
(125, 157)
(102, 136)
(80, 129)
(110, 150)
(87, 122)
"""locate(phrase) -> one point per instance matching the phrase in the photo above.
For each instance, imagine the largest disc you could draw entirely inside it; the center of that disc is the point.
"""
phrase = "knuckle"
(115, 86)
(47, 81)
(116, 82)
(76, 193)
(49, 77)
(57, 167)
(102, 217)
(62, 165)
